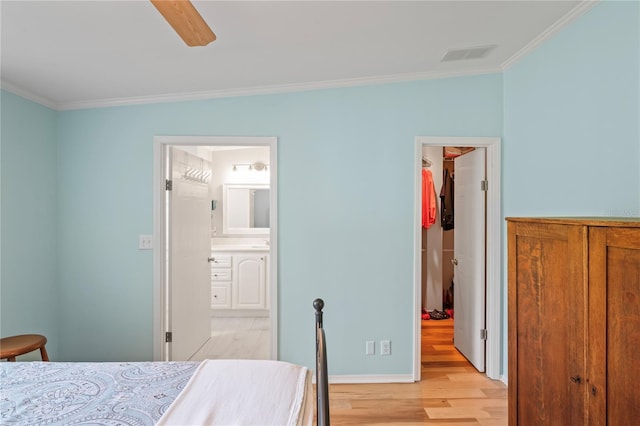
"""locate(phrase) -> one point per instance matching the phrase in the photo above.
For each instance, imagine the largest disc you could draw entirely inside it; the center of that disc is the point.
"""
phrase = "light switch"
(370, 347)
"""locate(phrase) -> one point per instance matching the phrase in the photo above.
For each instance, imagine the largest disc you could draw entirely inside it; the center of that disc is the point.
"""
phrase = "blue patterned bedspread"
(110, 394)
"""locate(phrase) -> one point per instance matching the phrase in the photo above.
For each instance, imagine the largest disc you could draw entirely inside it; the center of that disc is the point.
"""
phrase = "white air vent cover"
(470, 53)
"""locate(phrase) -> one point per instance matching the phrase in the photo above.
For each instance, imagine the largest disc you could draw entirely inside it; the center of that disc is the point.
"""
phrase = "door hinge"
(484, 185)
(168, 185)
(168, 337)
(483, 334)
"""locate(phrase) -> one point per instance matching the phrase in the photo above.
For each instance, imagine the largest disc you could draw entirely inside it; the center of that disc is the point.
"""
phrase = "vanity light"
(258, 166)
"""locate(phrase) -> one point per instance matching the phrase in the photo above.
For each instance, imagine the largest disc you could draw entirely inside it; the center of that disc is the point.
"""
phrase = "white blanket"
(244, 392)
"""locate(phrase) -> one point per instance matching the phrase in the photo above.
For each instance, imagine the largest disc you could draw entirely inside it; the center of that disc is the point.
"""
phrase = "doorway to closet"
(457, 251)
(453, 246)
(215, 276)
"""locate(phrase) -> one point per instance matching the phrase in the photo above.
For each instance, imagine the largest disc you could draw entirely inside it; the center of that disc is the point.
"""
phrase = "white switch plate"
(145, 242)
(385, 347)
(370, 348)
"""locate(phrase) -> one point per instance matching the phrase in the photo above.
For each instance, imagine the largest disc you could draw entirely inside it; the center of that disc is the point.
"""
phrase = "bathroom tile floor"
(237, 338)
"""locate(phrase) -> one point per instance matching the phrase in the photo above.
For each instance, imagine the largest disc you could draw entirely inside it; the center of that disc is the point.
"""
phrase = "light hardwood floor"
(451, 392)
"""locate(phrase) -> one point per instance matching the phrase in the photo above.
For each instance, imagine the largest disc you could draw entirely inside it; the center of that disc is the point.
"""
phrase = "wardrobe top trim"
(633, 222)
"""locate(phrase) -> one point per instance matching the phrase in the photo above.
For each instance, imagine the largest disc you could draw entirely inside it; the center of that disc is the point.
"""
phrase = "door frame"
(493, 248)
(160, 274)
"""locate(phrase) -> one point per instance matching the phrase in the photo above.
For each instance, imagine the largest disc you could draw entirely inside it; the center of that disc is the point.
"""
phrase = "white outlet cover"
(145, 242)
(385, 347)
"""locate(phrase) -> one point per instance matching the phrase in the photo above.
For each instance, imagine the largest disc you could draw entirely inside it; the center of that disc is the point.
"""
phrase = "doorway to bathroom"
(477, 245)
(215, 263)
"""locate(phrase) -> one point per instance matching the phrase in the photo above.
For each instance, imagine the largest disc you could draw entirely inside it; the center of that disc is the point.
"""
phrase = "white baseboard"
(344, 379)
(366, 378)
(504, 379)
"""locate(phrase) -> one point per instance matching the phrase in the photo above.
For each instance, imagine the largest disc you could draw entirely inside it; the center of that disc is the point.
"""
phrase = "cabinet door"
(547, 329)
(614, 326)
(249, 287)
(220, 297)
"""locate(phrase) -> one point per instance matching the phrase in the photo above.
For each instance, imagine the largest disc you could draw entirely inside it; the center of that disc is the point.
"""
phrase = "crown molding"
(583, 7)
(275, 89)
(248, 91)
(16, 90)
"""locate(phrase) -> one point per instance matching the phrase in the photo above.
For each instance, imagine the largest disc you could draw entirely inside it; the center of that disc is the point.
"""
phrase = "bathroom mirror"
(245, 209)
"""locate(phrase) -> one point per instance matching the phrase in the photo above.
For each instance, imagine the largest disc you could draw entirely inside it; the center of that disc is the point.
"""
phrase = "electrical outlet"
(385, 347)
(370, 347)
(145, 242)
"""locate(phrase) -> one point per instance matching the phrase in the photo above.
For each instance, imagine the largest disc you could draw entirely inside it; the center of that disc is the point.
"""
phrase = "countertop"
(239, 247)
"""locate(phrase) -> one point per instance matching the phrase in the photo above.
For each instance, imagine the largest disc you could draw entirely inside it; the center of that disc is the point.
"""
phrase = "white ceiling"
(73, 54)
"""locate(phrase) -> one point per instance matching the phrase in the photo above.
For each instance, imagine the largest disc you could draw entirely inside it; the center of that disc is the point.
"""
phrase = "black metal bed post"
(322, 377)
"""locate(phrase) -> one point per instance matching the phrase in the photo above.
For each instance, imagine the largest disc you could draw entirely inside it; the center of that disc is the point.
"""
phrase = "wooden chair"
(11, 347)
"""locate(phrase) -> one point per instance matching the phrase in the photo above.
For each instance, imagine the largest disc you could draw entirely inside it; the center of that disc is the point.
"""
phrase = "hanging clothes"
(429, 206)
(446, 201)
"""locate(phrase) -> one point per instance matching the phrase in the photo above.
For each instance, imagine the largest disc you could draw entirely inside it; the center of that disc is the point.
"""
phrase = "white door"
(469, 256)
(189, 250)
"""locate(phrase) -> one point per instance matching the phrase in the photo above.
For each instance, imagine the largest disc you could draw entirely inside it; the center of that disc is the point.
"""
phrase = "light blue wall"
(346, 196)
(28, 296)
(571, 113)
(572, 120)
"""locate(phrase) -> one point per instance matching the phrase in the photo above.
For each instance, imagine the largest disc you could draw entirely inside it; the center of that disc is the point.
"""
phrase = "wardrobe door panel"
(616, 269)
(547, 304)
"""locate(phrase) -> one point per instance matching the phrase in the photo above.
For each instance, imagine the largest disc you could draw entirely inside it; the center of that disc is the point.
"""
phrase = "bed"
(212, 392)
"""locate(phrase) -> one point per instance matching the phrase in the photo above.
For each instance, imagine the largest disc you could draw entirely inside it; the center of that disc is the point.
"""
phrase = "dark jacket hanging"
(446, 202)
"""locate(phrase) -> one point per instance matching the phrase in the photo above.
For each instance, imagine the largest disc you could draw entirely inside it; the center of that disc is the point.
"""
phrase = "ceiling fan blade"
(186, 21)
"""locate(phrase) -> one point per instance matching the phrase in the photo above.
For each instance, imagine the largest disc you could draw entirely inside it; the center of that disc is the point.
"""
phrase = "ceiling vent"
(470, 53)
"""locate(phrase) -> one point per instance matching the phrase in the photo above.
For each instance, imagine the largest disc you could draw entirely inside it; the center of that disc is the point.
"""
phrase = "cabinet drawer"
(220, 296)
(220, 274)
(220, 261)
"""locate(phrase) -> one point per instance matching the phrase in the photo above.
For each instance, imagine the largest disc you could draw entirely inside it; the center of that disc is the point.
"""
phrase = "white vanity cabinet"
(239, 280)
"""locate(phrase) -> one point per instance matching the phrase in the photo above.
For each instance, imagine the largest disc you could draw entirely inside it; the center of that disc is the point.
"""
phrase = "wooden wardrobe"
(574, 321)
